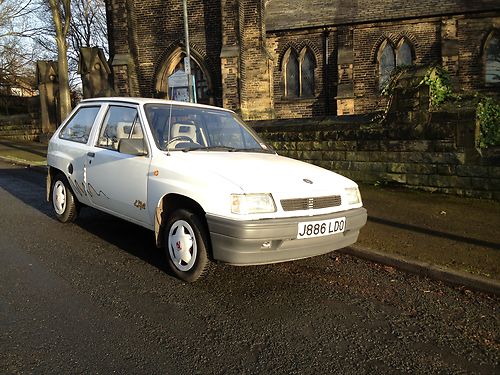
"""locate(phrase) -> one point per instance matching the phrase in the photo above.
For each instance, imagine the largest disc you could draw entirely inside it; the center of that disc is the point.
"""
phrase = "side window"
(119, 123)
(79, 127)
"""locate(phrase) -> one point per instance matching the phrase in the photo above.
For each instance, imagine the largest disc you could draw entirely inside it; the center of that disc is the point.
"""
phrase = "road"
(95, 297)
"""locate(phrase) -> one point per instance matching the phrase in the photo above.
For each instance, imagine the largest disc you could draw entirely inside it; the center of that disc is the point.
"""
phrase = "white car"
(205, 183)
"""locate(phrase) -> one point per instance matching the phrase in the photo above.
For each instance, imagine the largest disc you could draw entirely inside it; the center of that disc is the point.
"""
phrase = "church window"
(404, 54)
(390, 57)
(298, 73)
(292, 76)
(492, 59)
(386, 63)
(307, 74)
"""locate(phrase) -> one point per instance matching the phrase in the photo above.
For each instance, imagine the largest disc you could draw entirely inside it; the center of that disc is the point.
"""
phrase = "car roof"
(143, 101)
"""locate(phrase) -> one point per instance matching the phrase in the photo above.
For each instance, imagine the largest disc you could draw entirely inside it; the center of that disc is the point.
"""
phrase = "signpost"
(187, 60)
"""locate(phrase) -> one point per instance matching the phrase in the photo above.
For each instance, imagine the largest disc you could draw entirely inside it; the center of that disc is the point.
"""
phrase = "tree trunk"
(61, 29)
(64, 91)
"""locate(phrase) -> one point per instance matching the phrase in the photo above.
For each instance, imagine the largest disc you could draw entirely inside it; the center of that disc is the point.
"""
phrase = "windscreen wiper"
(256, 149)
(210, 148)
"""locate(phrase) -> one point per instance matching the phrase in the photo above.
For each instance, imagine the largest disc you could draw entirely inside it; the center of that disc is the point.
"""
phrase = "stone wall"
(438, 157)
(25, 127)
(143, 34)
(278, 44)
(471, 37)
(423, 36)
(348, 53)
(255, 63)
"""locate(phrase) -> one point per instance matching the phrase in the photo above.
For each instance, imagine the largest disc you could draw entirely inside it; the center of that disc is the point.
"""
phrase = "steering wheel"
(179, 138)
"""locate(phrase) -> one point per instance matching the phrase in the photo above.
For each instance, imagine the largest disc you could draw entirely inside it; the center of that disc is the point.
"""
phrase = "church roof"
(294, 14)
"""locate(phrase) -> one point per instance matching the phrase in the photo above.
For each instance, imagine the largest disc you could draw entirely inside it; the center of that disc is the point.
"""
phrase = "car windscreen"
(189, 128)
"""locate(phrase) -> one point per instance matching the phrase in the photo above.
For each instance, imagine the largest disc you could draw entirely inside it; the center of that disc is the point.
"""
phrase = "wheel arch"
(168, 204)
(51, 173)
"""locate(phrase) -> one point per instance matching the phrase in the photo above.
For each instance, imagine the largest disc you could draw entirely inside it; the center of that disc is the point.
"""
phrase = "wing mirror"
(132, 146)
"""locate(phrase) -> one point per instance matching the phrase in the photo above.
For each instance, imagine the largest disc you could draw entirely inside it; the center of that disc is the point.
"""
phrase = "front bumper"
(241, 242)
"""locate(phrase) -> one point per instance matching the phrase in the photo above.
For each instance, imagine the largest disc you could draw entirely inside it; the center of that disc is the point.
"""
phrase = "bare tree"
(61, 17)
(88, 24)
(14, 19)
(16, 56)
(14, 27)
(87, 29)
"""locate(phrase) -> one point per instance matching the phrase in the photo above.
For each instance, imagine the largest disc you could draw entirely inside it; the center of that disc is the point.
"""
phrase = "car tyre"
(63, 200)
(186, 245)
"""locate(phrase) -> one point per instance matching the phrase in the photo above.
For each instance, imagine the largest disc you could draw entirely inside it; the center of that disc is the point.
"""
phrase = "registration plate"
(310, 229)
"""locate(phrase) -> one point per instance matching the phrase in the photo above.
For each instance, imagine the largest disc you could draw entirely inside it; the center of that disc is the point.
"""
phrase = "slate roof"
(293, 14)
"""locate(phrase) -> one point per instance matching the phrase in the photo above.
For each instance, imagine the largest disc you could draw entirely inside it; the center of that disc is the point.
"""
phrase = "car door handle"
(91, 154)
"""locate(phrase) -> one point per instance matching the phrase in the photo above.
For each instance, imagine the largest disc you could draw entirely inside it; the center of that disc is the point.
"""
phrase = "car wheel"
(63, 200)
(186, 244)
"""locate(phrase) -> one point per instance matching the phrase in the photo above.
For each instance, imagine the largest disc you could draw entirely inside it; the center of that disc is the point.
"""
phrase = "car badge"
(307, 181)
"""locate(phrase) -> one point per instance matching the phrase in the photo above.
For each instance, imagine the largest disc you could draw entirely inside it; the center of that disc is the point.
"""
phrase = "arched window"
(175, 62)
(202, 93)
(307, 73)
(404, 54)
(298, 73)
(292, 75)
(389, 58)
(492, 59)
(386, 63)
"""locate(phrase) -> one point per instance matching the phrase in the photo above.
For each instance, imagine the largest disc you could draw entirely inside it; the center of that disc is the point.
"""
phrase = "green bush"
(488, 117)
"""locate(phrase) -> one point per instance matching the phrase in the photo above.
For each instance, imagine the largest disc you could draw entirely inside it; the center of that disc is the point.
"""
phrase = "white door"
(72, 146)
(116, 181)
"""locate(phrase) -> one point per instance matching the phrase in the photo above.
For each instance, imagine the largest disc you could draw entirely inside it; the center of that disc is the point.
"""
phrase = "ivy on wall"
(440, 90)
(488, 118)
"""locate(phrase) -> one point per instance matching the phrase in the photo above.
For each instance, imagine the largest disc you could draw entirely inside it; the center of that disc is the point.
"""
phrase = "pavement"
(455, 240)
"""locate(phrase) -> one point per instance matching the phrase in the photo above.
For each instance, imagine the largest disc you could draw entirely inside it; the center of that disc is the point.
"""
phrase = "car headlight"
(353, 196)
(243, 204)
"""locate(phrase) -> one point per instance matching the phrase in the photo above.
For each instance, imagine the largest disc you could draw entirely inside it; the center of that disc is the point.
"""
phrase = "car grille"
(311, 203)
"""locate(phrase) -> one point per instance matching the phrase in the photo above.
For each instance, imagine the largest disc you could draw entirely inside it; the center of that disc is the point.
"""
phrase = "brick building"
(300, 58)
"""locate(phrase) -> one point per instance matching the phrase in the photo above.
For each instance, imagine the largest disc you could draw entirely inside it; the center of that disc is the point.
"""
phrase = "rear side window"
(79, 127)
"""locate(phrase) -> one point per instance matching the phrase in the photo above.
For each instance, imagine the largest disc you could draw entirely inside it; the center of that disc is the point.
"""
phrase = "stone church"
(300, 58)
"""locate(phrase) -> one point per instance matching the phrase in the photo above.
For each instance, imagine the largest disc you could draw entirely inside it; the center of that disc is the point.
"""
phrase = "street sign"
(187, 65)
(178, 79)
(178, 86)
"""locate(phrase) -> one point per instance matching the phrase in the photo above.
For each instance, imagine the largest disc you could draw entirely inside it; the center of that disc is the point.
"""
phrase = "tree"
(87, 28)
(15, 58)
(61, 17)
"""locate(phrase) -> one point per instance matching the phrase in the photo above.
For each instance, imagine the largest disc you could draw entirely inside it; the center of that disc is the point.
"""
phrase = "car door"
(72, 146)
(117, 181)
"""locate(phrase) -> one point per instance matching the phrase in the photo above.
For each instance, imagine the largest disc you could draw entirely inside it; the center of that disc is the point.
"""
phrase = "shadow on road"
(30, 188)
(431, 232)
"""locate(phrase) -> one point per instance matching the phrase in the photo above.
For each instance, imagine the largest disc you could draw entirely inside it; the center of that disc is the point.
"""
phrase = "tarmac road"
(94, 297)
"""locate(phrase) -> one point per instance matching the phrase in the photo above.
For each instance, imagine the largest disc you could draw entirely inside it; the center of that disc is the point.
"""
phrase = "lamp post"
(187, 61)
